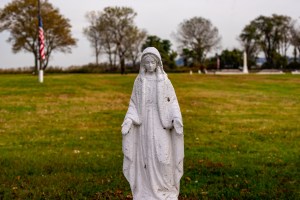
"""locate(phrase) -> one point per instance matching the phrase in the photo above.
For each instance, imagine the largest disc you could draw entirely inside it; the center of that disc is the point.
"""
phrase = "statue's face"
(150, 63)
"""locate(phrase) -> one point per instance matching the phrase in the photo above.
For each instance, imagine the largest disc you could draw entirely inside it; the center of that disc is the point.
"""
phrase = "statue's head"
(151, 61)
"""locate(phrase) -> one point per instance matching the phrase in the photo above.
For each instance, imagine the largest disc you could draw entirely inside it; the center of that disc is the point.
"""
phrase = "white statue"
(153, 134)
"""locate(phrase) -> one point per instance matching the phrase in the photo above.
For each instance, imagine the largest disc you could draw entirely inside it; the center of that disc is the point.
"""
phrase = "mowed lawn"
(62, 140)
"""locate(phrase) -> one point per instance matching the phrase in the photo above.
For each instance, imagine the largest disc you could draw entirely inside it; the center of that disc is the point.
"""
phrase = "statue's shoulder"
(138, 82)
(138, 79)
(168, 81)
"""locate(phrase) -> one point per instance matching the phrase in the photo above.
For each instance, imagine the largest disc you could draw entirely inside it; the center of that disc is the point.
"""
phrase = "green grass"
(61, 139)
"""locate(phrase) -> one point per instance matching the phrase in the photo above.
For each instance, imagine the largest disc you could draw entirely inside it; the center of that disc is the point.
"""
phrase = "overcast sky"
(157, 17)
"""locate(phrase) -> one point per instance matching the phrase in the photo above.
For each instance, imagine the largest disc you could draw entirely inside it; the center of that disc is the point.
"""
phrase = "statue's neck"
(150, 74)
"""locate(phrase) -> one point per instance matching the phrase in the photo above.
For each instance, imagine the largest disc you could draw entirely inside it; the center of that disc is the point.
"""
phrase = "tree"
(107, 42)
(187, 56)
(231, 59)
(135, 42)
(19, 17)
(249, 41)
(199, 36)
(295, 39)
(272, 35)
(164, 47)
(284, 25)
(92, 33)
(117, 27)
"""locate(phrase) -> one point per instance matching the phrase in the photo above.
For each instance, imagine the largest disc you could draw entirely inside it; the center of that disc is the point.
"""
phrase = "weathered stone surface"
(153, 133)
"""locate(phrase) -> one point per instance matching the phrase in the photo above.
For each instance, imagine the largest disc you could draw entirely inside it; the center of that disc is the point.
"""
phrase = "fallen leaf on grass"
(119, 192)
(204, 193)
(243, 191)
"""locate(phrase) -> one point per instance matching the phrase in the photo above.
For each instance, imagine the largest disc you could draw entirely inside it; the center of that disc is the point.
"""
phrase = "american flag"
(41, 40)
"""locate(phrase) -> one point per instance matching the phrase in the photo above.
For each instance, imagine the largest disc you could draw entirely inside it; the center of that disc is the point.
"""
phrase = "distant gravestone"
(296, 72)
(270, 71)
(153, 133)
(229, 72)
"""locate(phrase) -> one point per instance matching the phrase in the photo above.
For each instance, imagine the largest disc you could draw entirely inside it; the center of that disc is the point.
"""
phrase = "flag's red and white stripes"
(41, 40)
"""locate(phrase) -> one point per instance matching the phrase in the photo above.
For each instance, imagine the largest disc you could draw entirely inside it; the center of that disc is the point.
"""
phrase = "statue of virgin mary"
(153, 134)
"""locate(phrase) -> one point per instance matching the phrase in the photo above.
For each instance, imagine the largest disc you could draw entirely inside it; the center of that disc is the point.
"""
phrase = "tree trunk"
(97, 52)
(97, 61)
(36, 70)
(115, 59)
(122, 62)
(134, 67)
(110, 61)
(45, 63)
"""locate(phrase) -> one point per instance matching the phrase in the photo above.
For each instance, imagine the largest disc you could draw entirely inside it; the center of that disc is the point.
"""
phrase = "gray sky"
(157, 17)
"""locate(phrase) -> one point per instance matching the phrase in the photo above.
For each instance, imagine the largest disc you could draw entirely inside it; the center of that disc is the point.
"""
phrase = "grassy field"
(62, 140)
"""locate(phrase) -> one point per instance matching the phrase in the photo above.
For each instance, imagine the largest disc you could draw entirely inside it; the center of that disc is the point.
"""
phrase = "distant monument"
(153, 134)
(245, 67)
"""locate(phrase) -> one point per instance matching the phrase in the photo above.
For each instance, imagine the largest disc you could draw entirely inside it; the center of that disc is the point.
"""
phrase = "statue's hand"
(178, 126)
(126, 126)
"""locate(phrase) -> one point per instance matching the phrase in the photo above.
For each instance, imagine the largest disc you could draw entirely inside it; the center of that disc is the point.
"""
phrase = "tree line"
(113, 33)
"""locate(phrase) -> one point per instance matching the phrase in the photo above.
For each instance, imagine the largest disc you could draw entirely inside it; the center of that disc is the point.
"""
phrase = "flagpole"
(40, 68)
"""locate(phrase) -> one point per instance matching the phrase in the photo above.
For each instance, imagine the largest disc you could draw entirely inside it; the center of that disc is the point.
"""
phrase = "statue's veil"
(160, 73)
